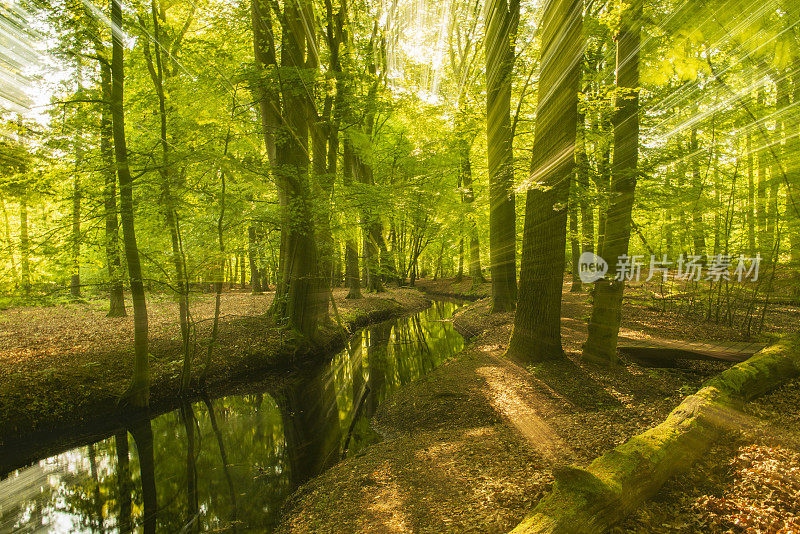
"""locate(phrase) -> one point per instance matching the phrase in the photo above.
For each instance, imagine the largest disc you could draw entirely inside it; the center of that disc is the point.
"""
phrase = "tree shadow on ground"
(574, 383)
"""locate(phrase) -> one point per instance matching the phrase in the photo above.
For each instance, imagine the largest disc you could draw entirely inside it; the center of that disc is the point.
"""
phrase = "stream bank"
(227, 462)
(64, 368)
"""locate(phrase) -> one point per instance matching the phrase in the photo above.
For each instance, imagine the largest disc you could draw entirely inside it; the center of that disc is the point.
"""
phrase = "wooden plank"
(665, 350)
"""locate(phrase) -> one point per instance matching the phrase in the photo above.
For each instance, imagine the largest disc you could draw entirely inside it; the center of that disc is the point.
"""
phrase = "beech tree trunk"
(24, 242)
(698, 227)
(351, 269)
(301, 299)
(468, 197)
(537, 324)
(116, 296)
(575, 244)
(502, 20)
(139, 393)
(601, 344)
(158, 73)
(75, 238)
(793, 186)
(582, 190)
(751, 196)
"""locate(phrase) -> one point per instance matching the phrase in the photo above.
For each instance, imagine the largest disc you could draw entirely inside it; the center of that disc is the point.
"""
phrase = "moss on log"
(592, 499)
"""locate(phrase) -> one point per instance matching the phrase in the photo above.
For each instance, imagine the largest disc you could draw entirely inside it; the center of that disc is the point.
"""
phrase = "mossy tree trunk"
(301, 296)
(537, 324)
(502, 20)
(591, 500)
(601, 344)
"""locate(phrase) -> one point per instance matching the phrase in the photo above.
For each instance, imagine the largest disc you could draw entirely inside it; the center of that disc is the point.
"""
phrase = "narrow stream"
(228, 464)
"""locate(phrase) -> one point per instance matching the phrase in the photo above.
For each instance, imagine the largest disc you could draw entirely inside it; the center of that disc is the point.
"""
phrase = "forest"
(400, 266)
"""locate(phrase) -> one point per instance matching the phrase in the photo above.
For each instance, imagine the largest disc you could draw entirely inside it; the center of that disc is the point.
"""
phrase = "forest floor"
(471, 446)
(66, 366)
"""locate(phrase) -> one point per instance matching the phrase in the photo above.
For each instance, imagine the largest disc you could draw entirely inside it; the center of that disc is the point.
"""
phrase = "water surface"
(227, 464)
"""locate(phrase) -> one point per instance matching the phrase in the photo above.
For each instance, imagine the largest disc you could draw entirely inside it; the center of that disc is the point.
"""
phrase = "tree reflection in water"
(228, 464)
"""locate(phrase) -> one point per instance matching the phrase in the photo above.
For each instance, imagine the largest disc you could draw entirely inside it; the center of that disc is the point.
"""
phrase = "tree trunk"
(603, 186)
(157, 74)
(10, 244)
(681, 180)
(761, 198)
(24, 242)
(751, 196)
(460, 273)
(75, 238)
(793, 186)
(115, 274)
(601, 344)
(537, 324)
(242, 270)
(698, 228)
(777, 170)
(374, 243)
(468, 197)
(717, 207)
(139, 392)
(252, 252)
(351, 269)
(502, 20)
(302, 299)
(582, 189)
(575, 244)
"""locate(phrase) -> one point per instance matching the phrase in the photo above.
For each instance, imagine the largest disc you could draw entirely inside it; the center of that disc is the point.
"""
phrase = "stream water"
(229, 463)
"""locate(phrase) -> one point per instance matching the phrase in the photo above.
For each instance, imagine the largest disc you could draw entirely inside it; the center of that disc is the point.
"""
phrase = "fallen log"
(591, 500)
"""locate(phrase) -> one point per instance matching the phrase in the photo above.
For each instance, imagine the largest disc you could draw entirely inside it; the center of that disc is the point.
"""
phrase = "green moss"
(591, 500)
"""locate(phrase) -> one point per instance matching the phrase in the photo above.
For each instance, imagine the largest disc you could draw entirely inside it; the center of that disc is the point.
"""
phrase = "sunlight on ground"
(387, 502)
(501, 385)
